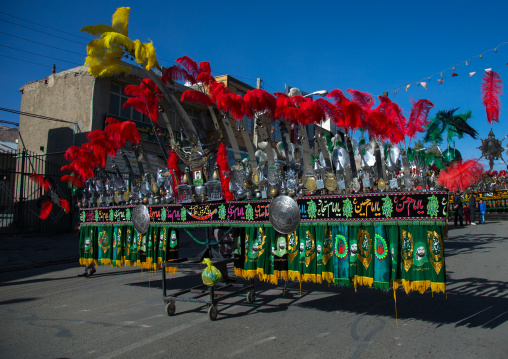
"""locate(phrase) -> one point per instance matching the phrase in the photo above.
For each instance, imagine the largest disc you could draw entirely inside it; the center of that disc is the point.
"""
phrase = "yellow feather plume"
(139, 51)
(113, 38)
(114, 70)
(151, 57)
(98, 30)
(121, 20)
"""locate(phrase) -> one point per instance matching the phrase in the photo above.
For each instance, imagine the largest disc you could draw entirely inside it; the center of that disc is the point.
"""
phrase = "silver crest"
(284, 214)
(273, 176)
(141, 218)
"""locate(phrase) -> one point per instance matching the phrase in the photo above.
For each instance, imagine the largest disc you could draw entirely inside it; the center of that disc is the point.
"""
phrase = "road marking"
(153, 338)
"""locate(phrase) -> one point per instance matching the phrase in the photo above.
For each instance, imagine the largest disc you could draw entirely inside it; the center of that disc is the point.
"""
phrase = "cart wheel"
(170, 308)
(250, 296)
(212, 311)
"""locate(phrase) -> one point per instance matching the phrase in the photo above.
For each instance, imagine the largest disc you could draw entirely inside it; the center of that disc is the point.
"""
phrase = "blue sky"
(369, 46)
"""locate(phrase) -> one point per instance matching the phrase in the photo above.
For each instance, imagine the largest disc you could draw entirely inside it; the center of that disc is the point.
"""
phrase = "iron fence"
(21, 199)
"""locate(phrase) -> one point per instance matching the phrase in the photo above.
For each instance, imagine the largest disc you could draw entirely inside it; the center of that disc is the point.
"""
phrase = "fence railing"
(21, 199)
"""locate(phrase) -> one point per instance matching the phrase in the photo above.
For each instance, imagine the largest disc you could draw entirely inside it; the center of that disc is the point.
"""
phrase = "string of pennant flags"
(424, 81)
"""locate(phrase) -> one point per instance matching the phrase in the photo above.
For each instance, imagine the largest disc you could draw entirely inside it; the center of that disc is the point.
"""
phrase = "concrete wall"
(67, 96)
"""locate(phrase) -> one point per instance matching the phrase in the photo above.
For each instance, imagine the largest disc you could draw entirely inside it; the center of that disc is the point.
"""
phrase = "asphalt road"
(49, 312)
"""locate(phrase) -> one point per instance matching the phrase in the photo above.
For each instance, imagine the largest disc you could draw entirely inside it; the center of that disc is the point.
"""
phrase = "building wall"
(66, 96)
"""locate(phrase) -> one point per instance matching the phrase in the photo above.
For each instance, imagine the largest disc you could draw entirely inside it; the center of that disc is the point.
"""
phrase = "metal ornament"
(330, 182)
(255, 176)
(273, 176)
(284, 214)
(141, 218)
(492, 149)
(311, 184)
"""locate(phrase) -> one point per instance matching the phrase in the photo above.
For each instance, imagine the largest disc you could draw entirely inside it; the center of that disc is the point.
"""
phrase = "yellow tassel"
(300, 289)
(366, 281)
(171, 269)
(239, 272)
(395, 298)
(328, 277)
(438, 287)
(105, 262)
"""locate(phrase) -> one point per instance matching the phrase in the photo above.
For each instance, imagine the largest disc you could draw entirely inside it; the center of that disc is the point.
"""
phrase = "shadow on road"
(470, 242)
(471, 302)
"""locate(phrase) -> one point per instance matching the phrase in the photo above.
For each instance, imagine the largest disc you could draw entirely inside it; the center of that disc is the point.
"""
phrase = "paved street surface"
(49, 312)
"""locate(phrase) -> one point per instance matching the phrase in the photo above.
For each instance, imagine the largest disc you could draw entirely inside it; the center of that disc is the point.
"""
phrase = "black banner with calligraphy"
(366, 207)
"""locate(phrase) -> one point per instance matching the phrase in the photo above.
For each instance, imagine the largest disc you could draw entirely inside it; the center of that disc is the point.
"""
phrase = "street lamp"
(320, 93)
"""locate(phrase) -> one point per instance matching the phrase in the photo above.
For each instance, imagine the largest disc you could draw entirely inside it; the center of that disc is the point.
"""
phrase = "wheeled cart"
(215, 293)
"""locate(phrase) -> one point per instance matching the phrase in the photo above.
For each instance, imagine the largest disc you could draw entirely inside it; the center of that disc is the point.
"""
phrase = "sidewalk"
(37, 250)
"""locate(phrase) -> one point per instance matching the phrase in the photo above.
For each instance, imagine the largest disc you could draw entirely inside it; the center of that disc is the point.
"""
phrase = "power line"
(33, 53)
(40, 43)
(31, 62)
(35, 115)
(48, 27)
(9, 123)
(42, 32)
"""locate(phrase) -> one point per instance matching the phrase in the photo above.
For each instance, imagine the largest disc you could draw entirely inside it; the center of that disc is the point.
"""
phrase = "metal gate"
(21, 198)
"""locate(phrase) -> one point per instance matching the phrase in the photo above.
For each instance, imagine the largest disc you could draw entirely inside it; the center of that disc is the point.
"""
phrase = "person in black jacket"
(472, 208)
(458, 208)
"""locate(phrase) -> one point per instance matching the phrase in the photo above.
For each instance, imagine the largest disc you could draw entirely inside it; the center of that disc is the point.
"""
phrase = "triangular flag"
(440, 81)
(424, 84)
(454, 74)
(488, 70)
(471, 73)
(408, 86)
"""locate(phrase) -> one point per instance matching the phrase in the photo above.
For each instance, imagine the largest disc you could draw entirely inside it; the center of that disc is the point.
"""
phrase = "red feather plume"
(204, 67)
(460, 175)
(190, 65)
(336, 95)
(492, 89)
(175, 170)
(41, 181)
(331, 111)
(364, 99)
(206, 79)
(79, 168)
(47, 206)
(418, 117)
(259, 101)
(111, 120)
(72, 180)
(98, 151)
(222, 162)
(376, 123)
(196, 97)
(353, 115)
(176, 73)
(64, 204)
(313, 111)
(99, 133)
(130, 132)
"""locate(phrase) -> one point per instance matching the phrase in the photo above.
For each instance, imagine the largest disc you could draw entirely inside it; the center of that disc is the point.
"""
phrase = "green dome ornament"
(450, 155)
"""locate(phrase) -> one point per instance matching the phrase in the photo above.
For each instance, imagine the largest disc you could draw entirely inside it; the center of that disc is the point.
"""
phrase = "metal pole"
(21, 190)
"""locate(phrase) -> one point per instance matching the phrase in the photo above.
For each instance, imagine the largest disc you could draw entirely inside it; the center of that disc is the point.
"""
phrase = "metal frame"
(215, 293)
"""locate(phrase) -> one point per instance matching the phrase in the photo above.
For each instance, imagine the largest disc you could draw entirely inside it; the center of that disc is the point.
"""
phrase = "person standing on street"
(472, 208)
(458, 208)
(482, 208)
